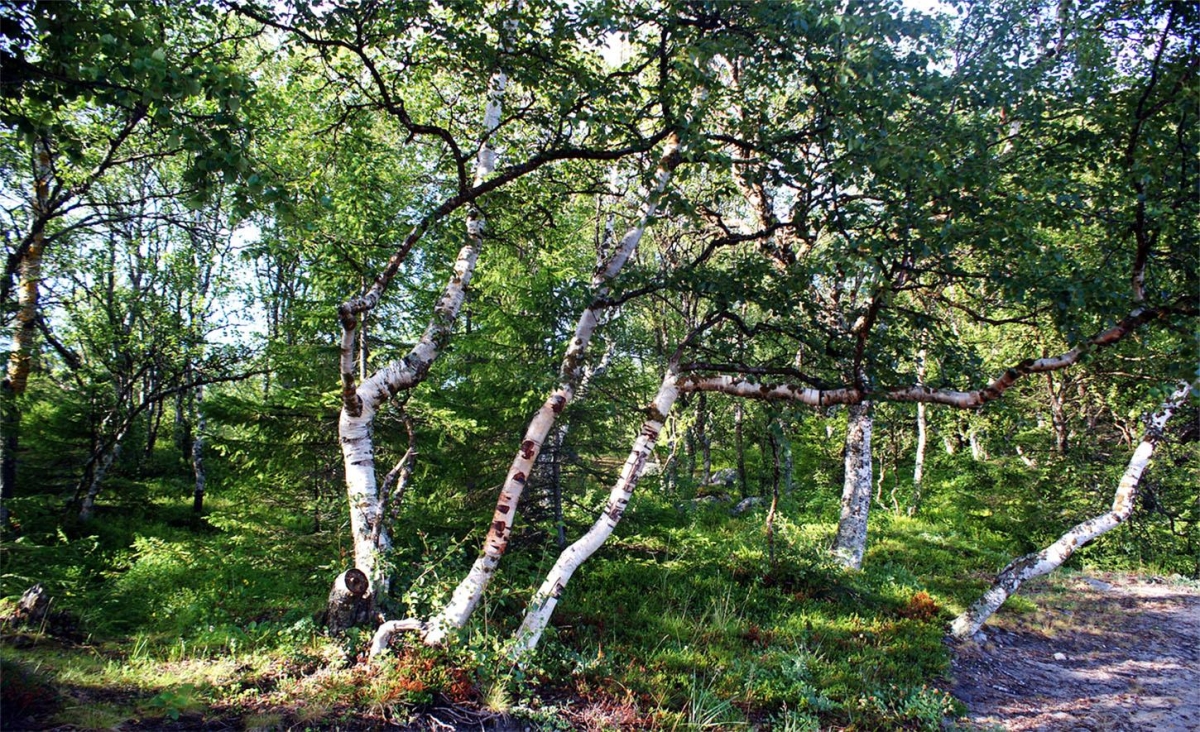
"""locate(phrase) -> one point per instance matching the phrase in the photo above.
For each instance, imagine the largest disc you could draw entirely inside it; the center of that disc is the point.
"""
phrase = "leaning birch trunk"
(360, 404)
(1047, 560)
(20, 357)
(541, 607)
(366, 506)
(851, 539)
(469, 592)
(87, 509)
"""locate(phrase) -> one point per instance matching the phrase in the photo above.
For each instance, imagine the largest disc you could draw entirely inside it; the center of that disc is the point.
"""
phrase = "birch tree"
(1039, 563)
(81, 81)
(367, 39)
(470, 590)
(541, 607)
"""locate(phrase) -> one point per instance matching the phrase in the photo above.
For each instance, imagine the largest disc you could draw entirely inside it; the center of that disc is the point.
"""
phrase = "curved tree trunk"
(20, 358)
(851, 540)
(1047, 560)
(541, 607)
(361, 403)
(469, 592)
(102, 464)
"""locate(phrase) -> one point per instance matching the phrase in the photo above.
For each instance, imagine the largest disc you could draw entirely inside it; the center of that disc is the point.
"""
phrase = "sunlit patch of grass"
(268, 722)
(93, 716)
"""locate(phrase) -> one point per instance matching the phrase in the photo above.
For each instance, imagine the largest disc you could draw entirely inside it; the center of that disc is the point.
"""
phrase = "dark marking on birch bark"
(558, 590)
(557, 402)
(527, 449)
(498, 529)
(503, 508)
(519, 477)
(654, 413)
(351, 400)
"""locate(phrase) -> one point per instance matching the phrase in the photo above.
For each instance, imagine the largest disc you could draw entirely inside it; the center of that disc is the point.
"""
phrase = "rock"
(745, 505)
(1060, 656)
(700, 501)
(723, 477)
(1098, 584)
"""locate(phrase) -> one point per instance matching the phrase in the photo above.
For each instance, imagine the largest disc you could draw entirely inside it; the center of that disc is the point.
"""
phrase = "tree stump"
(32, 607)
(350, 601)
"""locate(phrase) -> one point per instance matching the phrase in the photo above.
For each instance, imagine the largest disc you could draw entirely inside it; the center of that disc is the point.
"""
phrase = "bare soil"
(1103, 651)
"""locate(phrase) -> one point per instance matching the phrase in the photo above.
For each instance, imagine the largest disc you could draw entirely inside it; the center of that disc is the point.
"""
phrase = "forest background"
(934, 269)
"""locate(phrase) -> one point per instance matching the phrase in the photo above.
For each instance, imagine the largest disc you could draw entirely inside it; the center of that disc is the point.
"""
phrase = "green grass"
(681, 622)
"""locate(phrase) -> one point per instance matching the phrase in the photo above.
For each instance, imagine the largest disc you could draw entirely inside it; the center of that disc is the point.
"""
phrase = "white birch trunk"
(541, 607)
(851, 540)
(355, 429)
(1047, 560)
(470, 590)
(360, 404)
(922, 440)
(978, 453)
(88, 508)
(198, 456)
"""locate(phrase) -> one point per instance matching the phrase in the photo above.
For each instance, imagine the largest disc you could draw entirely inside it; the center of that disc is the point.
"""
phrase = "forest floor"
(1101, 652)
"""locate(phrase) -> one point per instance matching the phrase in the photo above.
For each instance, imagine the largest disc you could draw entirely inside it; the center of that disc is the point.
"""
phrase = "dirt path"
(1108, 652)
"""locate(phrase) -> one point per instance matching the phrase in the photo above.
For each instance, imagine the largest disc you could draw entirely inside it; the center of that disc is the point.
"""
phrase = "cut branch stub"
(356, 582)
(350, 601)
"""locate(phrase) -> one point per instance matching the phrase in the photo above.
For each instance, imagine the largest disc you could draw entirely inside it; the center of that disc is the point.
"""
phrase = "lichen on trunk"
(851, 540)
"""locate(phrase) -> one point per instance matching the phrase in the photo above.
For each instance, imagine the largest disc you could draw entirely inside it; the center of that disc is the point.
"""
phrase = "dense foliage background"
(869, 196)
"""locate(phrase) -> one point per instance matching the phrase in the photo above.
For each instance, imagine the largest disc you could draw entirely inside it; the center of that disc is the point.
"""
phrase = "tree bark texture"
(349, 601)
(742, 385)
(922, 440)
(470, 590)
(1058, 414)
(20, 358)
(1047, 560)
(851, 540)
(30, 278)
(198, 456)
(361, 403)
(100, 467)
(541, 607)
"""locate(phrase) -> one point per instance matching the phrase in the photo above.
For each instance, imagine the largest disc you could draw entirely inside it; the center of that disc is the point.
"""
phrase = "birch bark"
(87, 508)
(361, 403)
(20, 357)
(541, 607)
(198, 456)
(922, 441)
(1047, 560)
(851, 540)
(469, 592)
